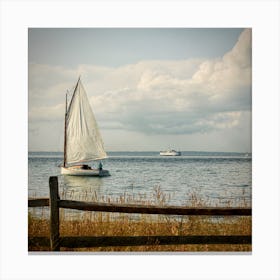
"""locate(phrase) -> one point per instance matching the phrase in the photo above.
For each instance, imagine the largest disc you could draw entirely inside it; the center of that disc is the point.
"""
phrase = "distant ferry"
(170, 153)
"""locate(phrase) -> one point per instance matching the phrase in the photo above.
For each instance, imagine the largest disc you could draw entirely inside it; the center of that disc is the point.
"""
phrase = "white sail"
(84, 142)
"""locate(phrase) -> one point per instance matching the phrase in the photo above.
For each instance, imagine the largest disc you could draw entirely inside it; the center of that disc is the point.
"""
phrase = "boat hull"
(73, 171)
(172, 153)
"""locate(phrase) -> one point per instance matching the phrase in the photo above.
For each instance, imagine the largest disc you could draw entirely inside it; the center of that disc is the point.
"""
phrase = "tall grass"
(85, 223)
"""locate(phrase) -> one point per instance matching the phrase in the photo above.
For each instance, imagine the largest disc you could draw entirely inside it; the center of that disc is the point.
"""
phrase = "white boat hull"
(74, 171)
(170, 153)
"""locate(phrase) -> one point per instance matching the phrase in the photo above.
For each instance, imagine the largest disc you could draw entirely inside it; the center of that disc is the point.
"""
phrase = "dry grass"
(108, 224)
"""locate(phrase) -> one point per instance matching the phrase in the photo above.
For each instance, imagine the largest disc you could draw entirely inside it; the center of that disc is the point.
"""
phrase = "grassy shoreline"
(126, 227)
(108, 224)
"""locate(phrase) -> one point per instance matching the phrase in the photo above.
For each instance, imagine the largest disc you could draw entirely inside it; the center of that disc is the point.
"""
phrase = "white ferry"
(170, 153)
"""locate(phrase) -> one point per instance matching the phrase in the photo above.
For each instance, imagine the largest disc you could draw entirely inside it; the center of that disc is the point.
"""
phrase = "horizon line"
(149, 151)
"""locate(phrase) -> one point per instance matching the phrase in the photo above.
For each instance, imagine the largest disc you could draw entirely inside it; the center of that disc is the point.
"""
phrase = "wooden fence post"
(54, 214)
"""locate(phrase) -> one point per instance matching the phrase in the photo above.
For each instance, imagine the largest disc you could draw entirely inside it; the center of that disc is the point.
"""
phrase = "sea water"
(216, 179)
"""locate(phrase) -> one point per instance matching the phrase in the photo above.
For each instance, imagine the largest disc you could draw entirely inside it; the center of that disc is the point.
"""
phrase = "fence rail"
(142, 209)
(105, 241)
(55, 241)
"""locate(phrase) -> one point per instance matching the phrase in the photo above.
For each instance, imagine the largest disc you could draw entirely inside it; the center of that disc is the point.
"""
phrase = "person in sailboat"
(100, 166)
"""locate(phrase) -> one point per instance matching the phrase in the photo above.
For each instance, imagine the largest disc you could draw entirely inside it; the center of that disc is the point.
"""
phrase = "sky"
(150, 89)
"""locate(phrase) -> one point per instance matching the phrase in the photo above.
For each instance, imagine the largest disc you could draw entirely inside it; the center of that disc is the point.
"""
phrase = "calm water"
(218, 178)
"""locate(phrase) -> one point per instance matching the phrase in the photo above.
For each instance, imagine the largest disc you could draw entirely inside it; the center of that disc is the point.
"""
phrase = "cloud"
(210, 95)
(154, 97)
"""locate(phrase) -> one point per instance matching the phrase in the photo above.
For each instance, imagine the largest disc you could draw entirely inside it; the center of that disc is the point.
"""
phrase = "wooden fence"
(55, 241)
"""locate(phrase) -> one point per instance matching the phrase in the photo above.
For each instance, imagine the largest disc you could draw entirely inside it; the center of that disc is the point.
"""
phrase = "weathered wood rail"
(55, 241)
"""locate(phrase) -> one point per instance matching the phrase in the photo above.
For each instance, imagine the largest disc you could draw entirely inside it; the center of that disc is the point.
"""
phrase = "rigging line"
(74, 93)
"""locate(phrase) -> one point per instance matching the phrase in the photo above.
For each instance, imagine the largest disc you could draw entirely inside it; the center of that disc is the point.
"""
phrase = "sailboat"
(82, 139)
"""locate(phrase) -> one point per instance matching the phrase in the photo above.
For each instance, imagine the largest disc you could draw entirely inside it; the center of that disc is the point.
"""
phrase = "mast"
(65, 138)
(65, 122)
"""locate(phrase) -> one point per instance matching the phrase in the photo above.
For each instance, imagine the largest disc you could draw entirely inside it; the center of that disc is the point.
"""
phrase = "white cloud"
(154, 97)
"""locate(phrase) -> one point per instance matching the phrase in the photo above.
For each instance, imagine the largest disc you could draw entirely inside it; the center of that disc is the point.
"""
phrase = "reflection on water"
(80, 187)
